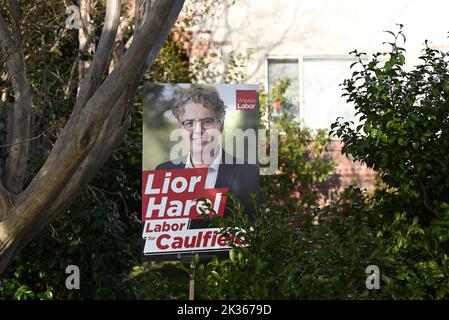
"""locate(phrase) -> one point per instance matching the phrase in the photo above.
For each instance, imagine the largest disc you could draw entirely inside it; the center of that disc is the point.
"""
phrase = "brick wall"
(347, 173)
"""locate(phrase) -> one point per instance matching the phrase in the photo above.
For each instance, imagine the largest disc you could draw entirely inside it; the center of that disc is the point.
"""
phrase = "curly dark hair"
(207, 96)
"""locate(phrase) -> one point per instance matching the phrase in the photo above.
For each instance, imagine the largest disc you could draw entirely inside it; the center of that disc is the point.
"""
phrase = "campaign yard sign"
(190, 167)
(170, 202)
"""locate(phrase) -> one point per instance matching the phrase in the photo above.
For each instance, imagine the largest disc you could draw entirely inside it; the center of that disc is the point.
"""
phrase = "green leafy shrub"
(401, 228)
(405, 133)
(302, 166)
(405, 136)
(314, 261)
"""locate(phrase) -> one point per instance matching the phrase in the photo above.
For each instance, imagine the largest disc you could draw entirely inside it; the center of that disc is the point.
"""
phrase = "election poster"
(199, 151)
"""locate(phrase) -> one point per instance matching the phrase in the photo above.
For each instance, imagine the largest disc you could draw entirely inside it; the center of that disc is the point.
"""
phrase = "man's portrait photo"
(198, 116)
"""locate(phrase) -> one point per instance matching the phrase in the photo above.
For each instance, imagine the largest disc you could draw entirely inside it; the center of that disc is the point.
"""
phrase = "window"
(280, 69)
(322, 91)
(315, 91)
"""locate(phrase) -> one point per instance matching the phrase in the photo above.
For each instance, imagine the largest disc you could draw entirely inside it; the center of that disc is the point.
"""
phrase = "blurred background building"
(309, 42)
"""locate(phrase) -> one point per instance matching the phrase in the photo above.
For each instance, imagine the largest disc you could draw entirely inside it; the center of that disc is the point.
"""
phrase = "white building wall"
(320, 34)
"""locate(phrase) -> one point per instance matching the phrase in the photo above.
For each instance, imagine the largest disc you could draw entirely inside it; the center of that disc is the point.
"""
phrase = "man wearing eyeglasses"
(201, 114)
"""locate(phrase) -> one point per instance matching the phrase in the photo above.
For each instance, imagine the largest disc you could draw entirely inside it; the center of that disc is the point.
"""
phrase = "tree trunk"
(99, 121)
(19, 115)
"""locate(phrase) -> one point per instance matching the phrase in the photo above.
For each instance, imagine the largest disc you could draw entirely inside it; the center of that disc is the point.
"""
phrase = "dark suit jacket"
(241, 179)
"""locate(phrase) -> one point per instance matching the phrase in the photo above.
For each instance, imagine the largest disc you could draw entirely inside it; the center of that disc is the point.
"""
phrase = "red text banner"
(170, 200)
(174, 194)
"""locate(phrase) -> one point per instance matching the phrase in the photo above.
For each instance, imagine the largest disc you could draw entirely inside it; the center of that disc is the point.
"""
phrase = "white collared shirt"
(212, 171)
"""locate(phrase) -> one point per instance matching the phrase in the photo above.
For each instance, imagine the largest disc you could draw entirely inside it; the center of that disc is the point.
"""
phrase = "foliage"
(235, 69)
(302, 166)
(315, 261)
(402, 229)
(297, 250)
(405, 137)
(172, 63)
(405, 134)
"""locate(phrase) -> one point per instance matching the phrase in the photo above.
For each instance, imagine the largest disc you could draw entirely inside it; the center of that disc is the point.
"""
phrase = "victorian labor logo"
(246, 99)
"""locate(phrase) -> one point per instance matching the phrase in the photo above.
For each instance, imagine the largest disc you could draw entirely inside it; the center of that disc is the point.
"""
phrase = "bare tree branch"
(86, 46)
(119, 48)
(16, 163)
(15, 13)
(68, 87)
(103, 52)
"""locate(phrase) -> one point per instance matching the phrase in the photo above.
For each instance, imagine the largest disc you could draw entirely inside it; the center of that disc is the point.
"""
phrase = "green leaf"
(215, 274)
(232, 255)
(433, 264)
(386, 279)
